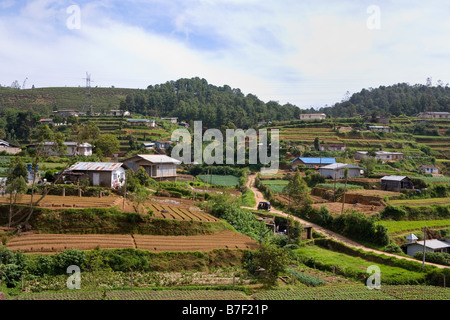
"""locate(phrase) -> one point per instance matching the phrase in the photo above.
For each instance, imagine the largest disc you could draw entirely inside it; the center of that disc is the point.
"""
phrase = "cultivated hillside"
(45, 100)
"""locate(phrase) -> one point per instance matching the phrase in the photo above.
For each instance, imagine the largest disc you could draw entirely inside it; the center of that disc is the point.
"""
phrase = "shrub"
(306, 279)
(10, 274)
(434, 257)
(393, 248)
(67, 258)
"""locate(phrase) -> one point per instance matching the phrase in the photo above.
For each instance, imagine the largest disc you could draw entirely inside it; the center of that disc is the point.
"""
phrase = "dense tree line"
(17, 124)
(398, 99)
(195, 99)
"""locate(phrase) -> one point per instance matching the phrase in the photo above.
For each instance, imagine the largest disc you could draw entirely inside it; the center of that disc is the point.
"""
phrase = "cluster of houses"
(112, 174)
(330, 169)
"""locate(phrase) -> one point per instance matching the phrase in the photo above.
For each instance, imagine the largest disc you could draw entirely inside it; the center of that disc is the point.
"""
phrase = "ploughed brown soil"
(51, 243)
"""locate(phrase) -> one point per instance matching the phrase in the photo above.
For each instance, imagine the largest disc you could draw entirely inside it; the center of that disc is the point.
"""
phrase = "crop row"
(48, 243)
(357, 292)
(178, 213)
(140, 295)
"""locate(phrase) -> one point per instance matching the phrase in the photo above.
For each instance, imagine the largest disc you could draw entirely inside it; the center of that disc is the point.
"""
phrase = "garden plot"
(58, 202)
(52, 243)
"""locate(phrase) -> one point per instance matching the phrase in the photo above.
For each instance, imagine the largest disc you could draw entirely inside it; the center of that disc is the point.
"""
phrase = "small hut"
(396, 183)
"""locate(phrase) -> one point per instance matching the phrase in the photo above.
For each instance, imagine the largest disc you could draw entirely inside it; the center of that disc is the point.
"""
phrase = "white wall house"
(313, 116)
(103, 174)
(434, 115)
(432, 245)
(156, 166)
(336, 170)
(380, 155)
(430, 169)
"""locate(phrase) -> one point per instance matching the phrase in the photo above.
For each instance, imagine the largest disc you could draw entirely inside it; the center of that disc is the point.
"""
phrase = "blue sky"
(308, 53)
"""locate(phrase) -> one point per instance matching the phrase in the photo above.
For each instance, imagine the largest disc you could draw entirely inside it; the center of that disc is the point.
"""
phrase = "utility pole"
(125, 191)
(424, 242)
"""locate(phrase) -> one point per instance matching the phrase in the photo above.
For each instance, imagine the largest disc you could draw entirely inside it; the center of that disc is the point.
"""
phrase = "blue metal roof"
(308, 160)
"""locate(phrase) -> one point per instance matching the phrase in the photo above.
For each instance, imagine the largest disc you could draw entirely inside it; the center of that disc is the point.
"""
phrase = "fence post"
(131, 279)
(63, 192)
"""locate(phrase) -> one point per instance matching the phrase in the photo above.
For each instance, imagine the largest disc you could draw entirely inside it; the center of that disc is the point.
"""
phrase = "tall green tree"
(47, 142)
(107, 145)
(298, 190)
(16, 183)
(272, 262)
(317, 144)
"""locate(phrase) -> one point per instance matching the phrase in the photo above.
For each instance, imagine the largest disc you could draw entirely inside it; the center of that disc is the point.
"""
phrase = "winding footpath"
(327, 233)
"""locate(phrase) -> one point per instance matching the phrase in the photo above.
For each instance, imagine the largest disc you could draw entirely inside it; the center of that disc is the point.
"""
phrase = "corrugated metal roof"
(337, 166)
(156, 158)
(394, 178)
(95, 166)
(434, 244)
(316, 160)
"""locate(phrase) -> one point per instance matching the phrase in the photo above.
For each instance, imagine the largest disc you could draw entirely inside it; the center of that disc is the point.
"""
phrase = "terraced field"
(179, 213)
(52, 243)
(58, 202)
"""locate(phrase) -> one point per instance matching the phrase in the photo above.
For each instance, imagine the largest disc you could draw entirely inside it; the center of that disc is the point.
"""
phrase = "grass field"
(220, 180)
(434, 179)
(340, 185)
(356, 265)
(275, 185)
(395, 227)
(420, 202)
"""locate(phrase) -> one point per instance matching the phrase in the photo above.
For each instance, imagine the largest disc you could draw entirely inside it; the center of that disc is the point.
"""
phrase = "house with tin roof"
(311, 162)
(337, 170)
(157, 166)
(102, 174)
(432, 245)
(430, 169)
(396, 183)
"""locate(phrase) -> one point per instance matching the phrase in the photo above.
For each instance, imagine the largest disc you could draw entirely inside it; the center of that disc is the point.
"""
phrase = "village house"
(9, 148)
(313, 116)
(396, 183)
(174, 120)
(310, 162)
(430, 169)
(434, 115)
(163, 144)
(84, 149)
(332, 147)
(148, 123)
(46, 121)
(337, 170)
(382, 119)
(432, 245)
(66, 113)
(73, 149)
(380, 129)
(380, 155)
(118, 113)
(157, 166)
(148, 145)
(103, 174)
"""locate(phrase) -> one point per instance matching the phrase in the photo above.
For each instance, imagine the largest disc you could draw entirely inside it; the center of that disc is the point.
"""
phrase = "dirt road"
(327, 233)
